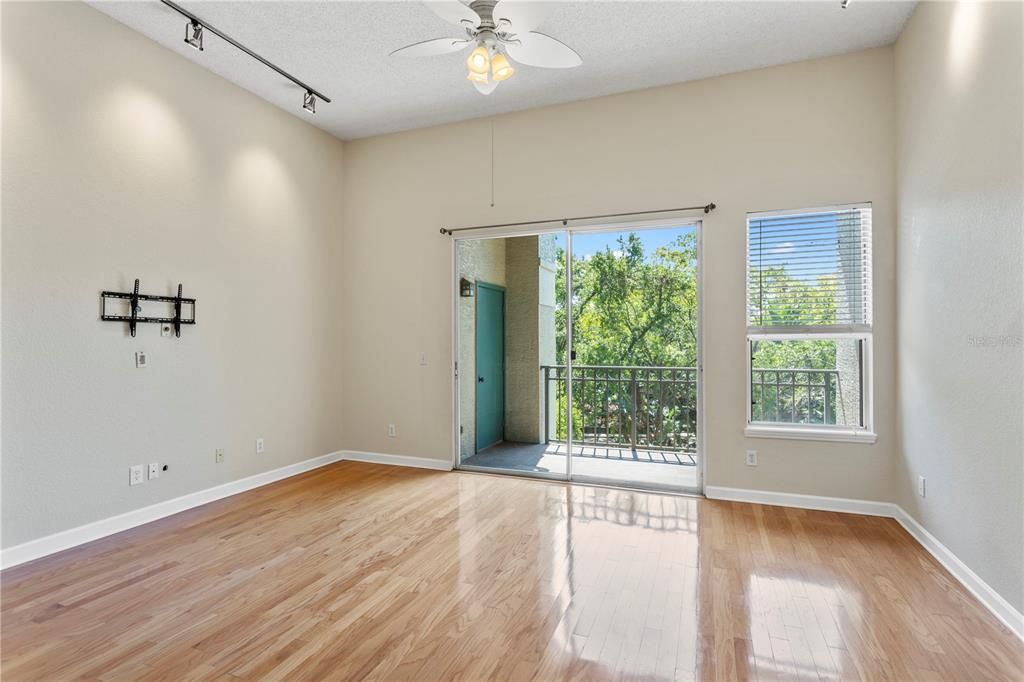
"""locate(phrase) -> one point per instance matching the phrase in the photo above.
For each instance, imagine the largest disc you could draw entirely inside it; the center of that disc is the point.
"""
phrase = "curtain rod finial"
(710, 207)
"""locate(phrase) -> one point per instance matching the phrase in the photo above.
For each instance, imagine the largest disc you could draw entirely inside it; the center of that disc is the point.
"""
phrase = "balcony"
(639, 424)
(634, 424)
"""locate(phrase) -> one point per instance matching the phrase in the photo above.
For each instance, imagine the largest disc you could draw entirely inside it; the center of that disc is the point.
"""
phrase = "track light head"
(844, 4)
(197, 26)
(194, 35)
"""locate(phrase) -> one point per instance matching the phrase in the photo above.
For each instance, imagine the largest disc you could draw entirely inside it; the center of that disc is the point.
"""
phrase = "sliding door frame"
(637, 226)
(587, 228)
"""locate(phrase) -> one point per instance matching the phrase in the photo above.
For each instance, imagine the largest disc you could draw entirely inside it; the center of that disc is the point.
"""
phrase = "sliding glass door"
(578, 355)
(635, 336)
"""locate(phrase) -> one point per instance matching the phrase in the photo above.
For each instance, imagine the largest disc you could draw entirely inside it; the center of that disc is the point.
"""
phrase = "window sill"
(790, 433)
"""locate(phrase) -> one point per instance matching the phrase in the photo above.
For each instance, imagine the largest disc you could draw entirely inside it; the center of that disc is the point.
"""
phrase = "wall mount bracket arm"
(133, 318)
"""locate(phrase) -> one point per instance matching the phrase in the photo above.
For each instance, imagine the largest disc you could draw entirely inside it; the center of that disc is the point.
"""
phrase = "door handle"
(479, 380)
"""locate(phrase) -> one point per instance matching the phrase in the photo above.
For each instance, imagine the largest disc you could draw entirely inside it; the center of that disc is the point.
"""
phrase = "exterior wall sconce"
(465, 288)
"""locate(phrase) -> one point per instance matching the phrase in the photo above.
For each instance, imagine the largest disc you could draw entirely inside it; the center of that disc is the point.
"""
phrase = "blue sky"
(584, 245)
(815, 235)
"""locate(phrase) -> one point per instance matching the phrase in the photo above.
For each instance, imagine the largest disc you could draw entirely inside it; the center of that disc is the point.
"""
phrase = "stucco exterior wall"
(479, 260)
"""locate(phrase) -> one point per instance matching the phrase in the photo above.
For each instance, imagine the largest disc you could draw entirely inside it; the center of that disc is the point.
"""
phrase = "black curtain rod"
(707, 208)
(224, 36)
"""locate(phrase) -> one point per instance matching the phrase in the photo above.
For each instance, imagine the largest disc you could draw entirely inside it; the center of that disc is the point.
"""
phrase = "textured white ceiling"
(341, 48)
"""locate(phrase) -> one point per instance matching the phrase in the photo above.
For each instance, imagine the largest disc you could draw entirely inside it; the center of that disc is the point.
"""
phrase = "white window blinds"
(809, 271)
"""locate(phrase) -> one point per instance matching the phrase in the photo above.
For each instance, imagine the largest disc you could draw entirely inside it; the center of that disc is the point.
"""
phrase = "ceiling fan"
(500, 30)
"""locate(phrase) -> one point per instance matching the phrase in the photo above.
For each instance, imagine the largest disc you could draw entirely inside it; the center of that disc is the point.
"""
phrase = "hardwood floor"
(363, 571)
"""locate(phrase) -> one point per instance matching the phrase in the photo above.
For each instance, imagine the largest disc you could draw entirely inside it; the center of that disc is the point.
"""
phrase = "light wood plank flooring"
(362, 571)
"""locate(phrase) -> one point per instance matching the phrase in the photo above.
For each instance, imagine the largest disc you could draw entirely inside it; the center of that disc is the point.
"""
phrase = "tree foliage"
(640, 309)
(790, 299)
(633, 308)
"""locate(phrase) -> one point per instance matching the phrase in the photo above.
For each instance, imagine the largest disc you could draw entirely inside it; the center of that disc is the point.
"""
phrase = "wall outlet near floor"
(259, 446)
(140, 358)
(751, 458)
(391, 431)
(921, 489)
(218, 456)
(154, 470)
(135, 475)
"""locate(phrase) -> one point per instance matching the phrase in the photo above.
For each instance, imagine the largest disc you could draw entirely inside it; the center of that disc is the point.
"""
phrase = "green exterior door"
(490, 365)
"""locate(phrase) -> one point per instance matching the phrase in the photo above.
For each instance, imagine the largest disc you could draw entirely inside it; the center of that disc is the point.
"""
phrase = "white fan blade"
(485, 89)
(537, 49)
(453, 11)
(521, 16)
(429, 48)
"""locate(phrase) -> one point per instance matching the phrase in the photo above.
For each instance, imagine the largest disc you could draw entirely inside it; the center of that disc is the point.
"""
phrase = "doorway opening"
(578, 354)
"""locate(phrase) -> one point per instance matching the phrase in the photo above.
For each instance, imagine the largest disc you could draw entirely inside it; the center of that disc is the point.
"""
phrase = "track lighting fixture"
(194, 30)
(194, 35)
(844, 4)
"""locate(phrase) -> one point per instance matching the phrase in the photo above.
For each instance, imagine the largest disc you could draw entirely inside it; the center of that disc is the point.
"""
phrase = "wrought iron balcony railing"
(655, 408)
(650, 408)
(794, 396)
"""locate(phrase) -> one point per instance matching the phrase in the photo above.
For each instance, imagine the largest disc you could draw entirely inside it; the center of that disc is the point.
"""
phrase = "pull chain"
(492, 163)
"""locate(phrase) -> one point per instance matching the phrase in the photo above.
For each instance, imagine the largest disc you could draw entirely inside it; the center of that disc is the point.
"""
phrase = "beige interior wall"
(809, 134)
(121, 160)
(961, 287)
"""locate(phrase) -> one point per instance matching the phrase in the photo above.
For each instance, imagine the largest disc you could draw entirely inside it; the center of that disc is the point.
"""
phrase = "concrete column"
(547, 305)
(524, 409)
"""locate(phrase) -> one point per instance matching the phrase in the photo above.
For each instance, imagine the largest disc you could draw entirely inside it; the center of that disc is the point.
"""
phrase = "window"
(809, 323)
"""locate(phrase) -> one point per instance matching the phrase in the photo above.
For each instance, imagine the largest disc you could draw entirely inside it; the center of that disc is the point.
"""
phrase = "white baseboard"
(1000, 608)
(397, 460)
(836, 504)
(34, 549)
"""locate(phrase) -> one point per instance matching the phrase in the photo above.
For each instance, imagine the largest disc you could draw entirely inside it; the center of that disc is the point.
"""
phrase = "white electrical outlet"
(751, 458)
(135, 475)
(140, 359)
(391, 431)
(921, 490)
(423, 359)
(218, 456)
(259, 446)
(154, 470)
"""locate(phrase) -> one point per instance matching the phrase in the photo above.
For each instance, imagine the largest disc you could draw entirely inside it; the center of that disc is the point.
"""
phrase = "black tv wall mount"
(133, 318)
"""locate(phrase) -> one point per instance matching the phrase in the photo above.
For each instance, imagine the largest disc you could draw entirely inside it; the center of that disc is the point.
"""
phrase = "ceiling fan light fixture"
(501, 68)
(485, 88)
(479, 61)
(500, 36)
